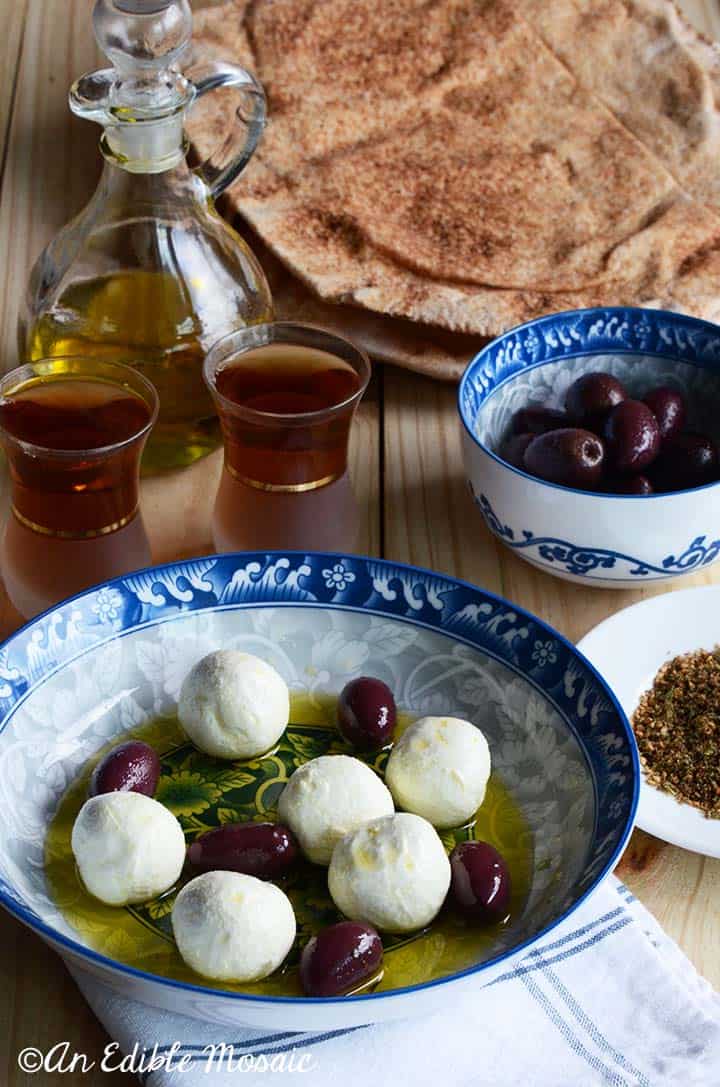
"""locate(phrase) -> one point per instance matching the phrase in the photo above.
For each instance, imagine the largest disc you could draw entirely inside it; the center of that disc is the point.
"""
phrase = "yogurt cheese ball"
(327, 798)
(231, 927)
(128, 847)
(392, 873)
(234, 705)
(439, 768)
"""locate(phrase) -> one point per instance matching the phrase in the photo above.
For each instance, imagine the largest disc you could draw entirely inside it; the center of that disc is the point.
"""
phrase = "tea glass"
(285, 481)
(74, 518)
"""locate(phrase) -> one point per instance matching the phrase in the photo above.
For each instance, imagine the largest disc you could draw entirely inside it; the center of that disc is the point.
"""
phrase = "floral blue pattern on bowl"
(115, 657)
(610, 540)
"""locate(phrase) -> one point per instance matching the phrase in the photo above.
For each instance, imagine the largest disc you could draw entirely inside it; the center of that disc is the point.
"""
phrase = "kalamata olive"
(572, 457)
(265, 850)
(687, 460)
(539, 420)
(132, 767)
(340, 958)
(592, 396)
(632, 436)
(513, 449)
(668, 407)
(366, 713)
(480, 882)
(629, 485)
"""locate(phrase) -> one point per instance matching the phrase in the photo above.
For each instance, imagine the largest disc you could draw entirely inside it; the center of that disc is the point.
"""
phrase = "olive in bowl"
(366, 714)
(131, 767)
(535, 420)
(340, 958)
(480, 884)
(632, 436)
(669, 408)
(591, 397)
(513, 448)
(263, 850)
(631, 484)
(686, 461)
(570, 456)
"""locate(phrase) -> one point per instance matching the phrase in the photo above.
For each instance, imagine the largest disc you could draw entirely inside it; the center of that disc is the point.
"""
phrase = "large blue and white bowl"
(616, 541)
(108, 660)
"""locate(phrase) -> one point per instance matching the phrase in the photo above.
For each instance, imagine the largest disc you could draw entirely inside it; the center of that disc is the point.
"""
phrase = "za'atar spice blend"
(677, 727)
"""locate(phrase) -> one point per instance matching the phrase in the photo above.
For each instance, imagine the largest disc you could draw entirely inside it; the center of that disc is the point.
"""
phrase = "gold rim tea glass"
(74, 518)
(285, 482)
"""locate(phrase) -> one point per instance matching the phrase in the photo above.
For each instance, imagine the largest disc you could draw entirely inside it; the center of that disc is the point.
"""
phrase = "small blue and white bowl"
(613, 541)
(81, 675)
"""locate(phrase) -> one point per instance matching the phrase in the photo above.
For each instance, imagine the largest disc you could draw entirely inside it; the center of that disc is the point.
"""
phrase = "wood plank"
(12, 23)
(426, 500)
(430, 519)
(52, 162)
(364, 466)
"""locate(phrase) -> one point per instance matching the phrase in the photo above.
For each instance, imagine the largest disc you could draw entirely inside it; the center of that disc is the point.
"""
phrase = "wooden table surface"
(407, 471)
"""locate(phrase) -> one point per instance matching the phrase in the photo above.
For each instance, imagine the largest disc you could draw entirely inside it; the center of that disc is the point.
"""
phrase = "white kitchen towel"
(606, 998)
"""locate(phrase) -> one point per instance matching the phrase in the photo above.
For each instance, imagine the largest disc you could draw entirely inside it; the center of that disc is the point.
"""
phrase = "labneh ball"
(234, 705)
(392, 873)
(231, 927)
(439, 768)
(128, 848)
(327, 798)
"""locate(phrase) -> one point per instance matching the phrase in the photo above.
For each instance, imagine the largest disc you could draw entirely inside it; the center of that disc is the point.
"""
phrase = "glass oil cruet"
(149, 273)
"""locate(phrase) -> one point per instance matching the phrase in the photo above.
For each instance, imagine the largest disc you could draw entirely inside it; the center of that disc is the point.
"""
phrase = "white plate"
(628, 649)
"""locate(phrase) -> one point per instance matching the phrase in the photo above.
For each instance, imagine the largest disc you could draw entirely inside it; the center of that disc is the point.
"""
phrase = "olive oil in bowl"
(204, 793)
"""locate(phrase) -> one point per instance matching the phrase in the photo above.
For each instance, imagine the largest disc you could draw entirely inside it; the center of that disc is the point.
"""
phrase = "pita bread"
(444, 162)
(658, 75)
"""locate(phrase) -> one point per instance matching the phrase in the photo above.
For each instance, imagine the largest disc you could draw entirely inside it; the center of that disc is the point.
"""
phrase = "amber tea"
(284, 437)
(286, 395)
(73, 430)
(63, 414)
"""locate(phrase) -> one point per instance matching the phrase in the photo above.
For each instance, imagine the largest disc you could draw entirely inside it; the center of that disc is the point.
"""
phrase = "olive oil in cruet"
(149, 274)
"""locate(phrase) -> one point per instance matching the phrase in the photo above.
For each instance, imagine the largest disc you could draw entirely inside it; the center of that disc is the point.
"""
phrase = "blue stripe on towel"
(249, 1043)
(625, 893)
(597, 1036)
(582, 931)
(528, 969)
(553, 1014)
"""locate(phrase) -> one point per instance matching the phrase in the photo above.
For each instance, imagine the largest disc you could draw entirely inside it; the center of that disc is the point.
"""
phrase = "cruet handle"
(225, 165)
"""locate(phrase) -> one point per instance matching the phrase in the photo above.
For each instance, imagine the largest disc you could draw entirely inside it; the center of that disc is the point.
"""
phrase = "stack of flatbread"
(436, 171)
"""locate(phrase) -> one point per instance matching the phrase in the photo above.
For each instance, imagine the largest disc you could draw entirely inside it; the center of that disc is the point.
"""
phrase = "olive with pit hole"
(366, 713)
(571, 456)
(668, 407)
(340, 958)
(480, 882)
(132, 767)
(592, 396)
(632, 437)
(539, 420)
(638, 484)
(264, 850)
(685, 461)
(513, 449)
